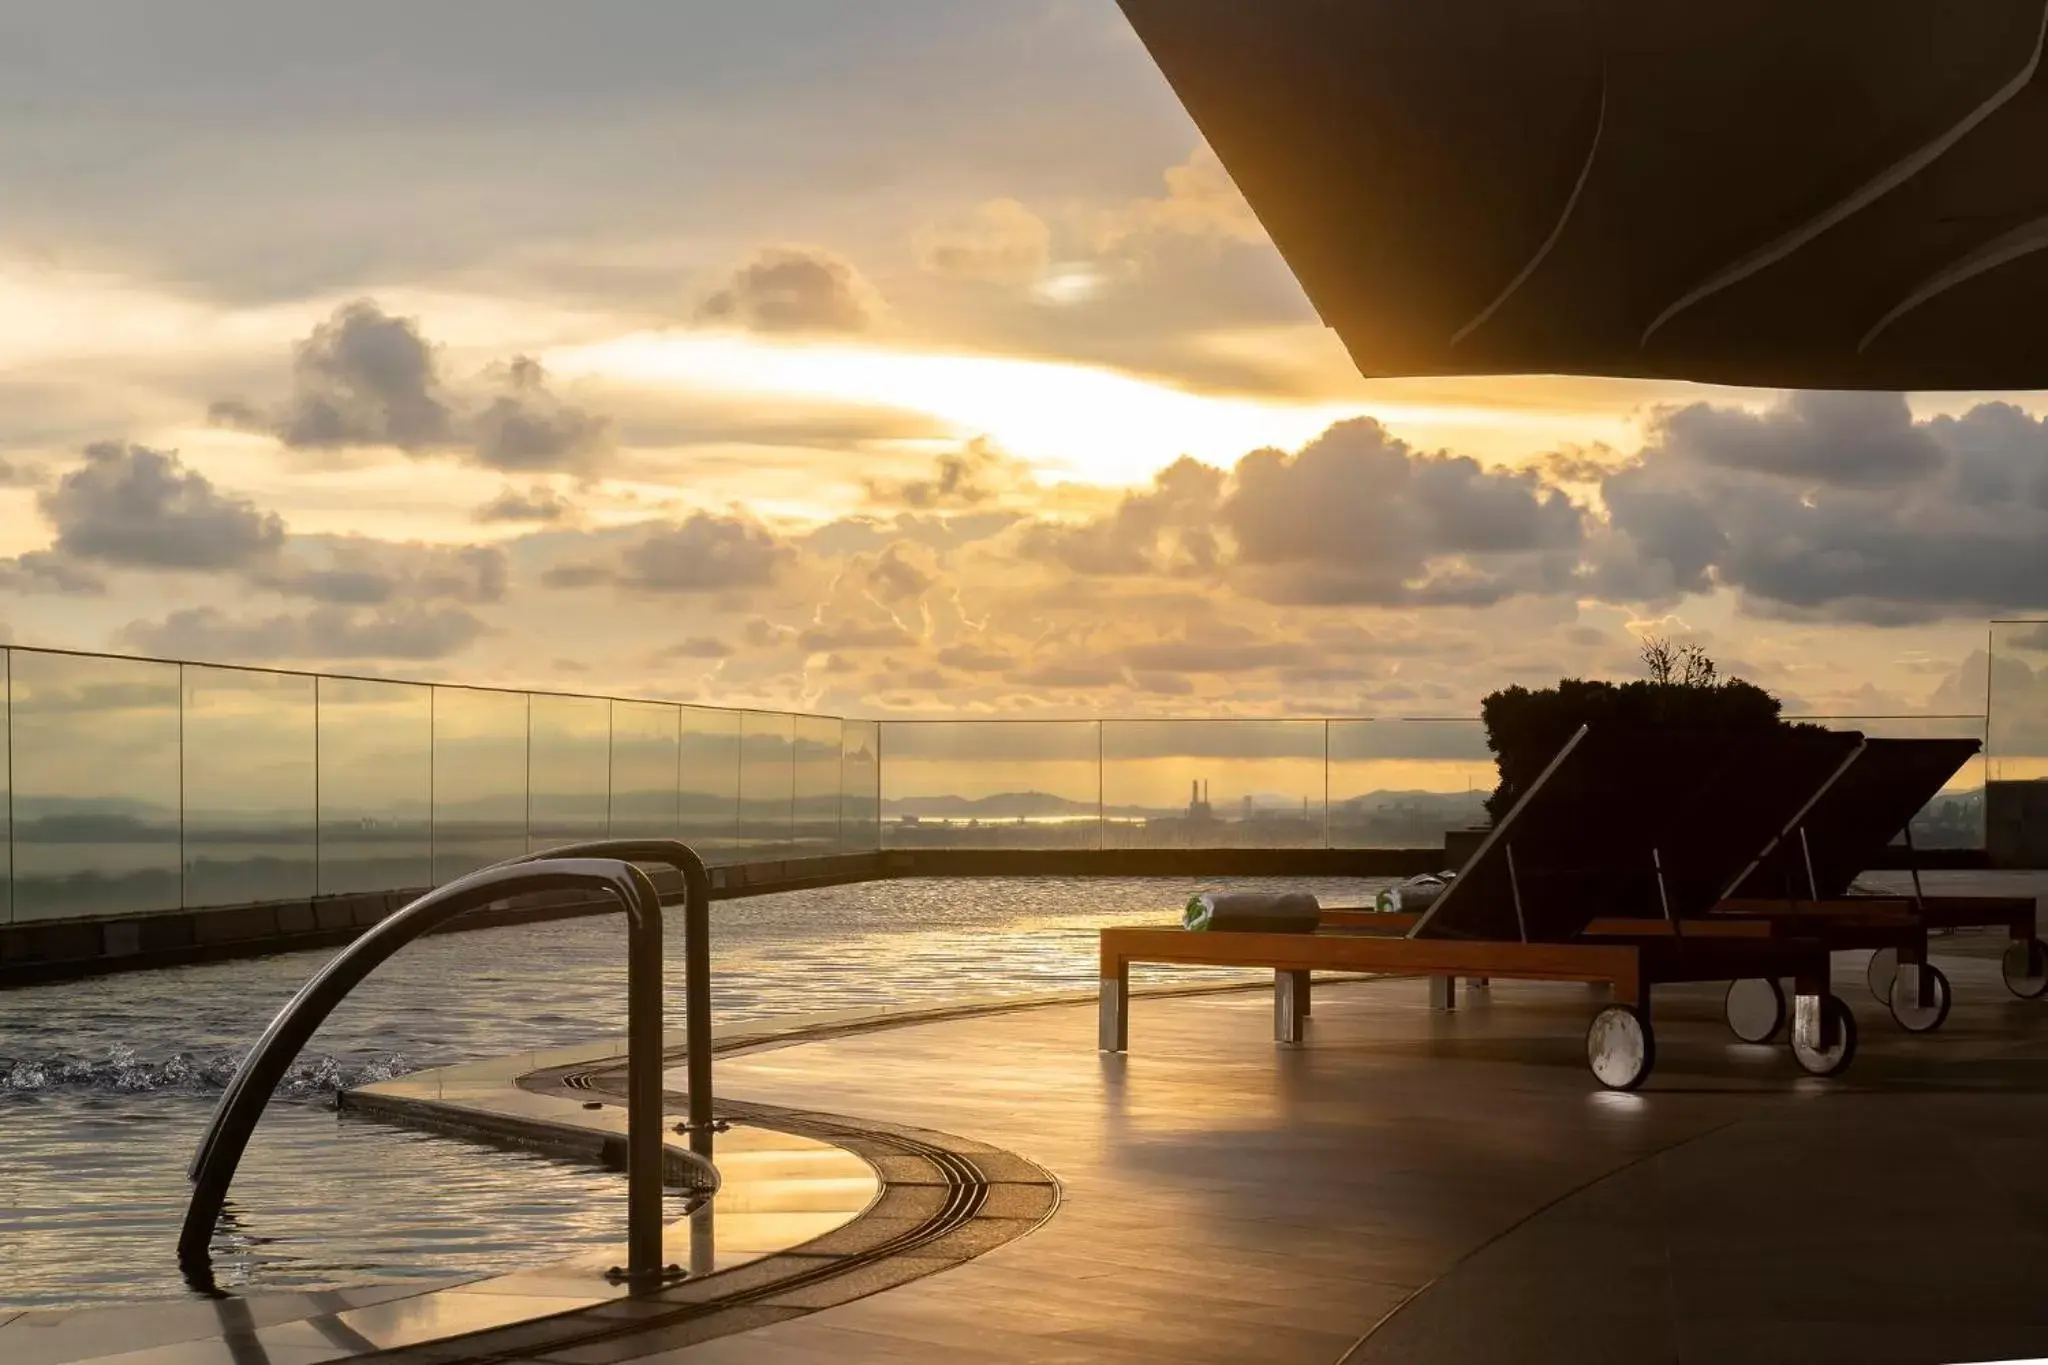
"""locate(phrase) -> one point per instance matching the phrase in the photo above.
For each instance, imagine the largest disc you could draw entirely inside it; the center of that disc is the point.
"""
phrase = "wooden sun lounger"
(1630, 966)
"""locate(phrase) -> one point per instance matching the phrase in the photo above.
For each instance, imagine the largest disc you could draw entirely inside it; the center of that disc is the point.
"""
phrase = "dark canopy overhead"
(1791, 193)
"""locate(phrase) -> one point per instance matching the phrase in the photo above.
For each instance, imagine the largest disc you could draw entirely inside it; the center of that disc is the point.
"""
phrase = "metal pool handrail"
(682, 859)
(242, 1103)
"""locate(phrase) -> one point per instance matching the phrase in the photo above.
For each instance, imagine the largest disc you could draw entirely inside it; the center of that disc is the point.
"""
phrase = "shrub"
(1525, 729)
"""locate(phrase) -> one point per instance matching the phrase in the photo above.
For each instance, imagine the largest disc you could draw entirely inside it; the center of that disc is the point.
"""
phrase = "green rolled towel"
(1252, 912)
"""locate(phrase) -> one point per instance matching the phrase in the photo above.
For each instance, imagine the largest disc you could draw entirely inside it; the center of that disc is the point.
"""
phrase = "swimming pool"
(106, 1083)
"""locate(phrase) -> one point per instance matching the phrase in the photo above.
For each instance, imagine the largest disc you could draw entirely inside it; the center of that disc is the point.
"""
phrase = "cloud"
(39, 571)
(1358, 517)
(534, 504)
(17, 474)
(705, 553)
(700, 647)
(365, 378)
(359, 571)
(998, 242)
(903, 571)
(527, 427)
(972, 658)
(975, 474)
(794, 289)
(1851, 440)
(1355, 518)
(405, 631)
(1168, 528)
(855, 636)
(132, 506)
(1948, 522)
(1201, 201)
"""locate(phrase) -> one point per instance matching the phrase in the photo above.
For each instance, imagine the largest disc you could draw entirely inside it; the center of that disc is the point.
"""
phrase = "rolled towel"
(1252, 912)
(1414, 895)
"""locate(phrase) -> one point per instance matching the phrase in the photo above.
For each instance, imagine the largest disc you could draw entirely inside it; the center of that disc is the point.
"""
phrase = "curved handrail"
(680, 857)
(242, 1103)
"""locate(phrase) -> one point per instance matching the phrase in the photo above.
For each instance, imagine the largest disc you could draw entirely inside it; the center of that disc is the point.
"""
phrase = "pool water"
(105, 1084)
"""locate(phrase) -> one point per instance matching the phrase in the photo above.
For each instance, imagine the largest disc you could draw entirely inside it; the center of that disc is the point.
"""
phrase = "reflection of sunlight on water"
(105, 1084)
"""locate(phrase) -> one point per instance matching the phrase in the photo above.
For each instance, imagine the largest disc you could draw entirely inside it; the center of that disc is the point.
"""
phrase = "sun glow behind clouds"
(1076, 421)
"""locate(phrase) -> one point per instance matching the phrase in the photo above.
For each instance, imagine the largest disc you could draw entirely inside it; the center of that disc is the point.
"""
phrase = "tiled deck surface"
(1224, 1199)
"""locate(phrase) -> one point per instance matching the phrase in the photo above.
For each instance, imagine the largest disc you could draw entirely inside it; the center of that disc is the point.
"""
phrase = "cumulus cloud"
(794, 289)
(410, 631)
(365, 378)
(526, 426)
(976, 474)
(132, 506)
(359, 571)
(1201, 200)
(39, 571)
(1358, 517)
(903, 571)
(1168, 528)
(21, 474)
(1948, 521)
(1355, 518)
(704, 553)
(999, 242)
(533, 504)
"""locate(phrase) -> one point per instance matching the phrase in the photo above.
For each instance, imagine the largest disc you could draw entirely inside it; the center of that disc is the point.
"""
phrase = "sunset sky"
(902, 358)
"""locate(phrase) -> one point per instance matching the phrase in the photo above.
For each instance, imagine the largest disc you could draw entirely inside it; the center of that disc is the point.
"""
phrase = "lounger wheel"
(1755, 1008)
(1620, 1047)
(2026, 968)
(1912, 1016)
(1835, 1060)
(1884, 965)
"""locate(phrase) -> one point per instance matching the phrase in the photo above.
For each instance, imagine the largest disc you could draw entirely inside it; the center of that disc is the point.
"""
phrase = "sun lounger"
(1622, 827)
(1808, 875)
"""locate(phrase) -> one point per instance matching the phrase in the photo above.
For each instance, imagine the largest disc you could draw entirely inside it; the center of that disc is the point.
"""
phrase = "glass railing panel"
(6, 826)
(1213, 784)
(646, 759)
(94, 786)
(251, 786)
(479, 779)
(2016, 787)
(710, 799)
(2017, 702)
(860, 777)
(991, 784)
(1955, 818)
(816, 784)
(568, 770)
(376, 783)
(1407, 783)
(767, 783)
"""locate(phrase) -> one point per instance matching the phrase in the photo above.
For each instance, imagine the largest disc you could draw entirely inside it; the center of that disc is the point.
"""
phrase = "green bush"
(1525, 729)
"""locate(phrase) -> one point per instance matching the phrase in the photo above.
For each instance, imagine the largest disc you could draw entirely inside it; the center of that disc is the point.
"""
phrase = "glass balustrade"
(129, 786)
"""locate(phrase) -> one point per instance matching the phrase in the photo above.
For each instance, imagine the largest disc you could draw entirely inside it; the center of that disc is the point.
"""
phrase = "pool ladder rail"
(606, 867)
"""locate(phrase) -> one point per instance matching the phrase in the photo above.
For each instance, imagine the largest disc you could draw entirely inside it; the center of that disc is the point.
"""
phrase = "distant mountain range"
(1036, 805)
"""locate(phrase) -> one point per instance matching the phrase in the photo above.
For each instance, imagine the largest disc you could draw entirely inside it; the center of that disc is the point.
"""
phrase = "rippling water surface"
(105, 1084)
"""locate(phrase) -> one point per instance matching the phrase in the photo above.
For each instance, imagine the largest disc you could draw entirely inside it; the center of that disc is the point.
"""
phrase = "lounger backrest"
(1847, 830)
(1632, 822)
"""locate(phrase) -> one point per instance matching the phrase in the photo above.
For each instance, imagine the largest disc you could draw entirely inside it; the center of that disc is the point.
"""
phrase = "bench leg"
(1443, 993)
(1113, 1013)
(1290, 1006)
